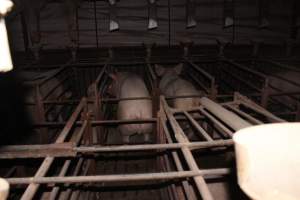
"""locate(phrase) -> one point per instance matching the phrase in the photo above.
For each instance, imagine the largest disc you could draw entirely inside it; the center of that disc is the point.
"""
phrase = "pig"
(173, 85)
(30, 94)
(130, 85)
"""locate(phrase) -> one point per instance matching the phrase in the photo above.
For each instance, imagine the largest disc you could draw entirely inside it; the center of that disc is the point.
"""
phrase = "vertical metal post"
(181, 137)
(96, 21)
(41, 115)
(24, 31)
(169, 22)
(265, 94)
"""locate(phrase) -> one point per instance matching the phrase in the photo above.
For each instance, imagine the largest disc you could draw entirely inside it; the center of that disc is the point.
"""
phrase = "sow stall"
(74, 167)
(282, 89)
(258, 80)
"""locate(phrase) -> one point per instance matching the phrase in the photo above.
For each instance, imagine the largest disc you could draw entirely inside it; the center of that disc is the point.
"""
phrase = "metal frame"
(166, 115)
(78, 147)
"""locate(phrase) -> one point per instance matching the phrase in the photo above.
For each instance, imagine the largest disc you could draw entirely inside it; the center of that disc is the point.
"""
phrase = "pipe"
(46, 164)
(144, 147)
(119, 178)
(225, 115)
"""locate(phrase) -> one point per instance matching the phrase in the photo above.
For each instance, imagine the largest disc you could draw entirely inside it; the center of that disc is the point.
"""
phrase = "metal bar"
(217, 123)
(249, 117)
(183, 96)
(106, 122)
(75, 173)
(242, 67)
(76, 139)
(250, 104)
(44, 167)
(197, 126)
(96, 22)
(62, 68)
(123, 99)
(193, 76)
(169, 23)
(143, 147)
(101, 72)
(186, 186)
(199, 69)
(249, 84)
(60, 83)
(118, 178)
(180, 136)
(62, 173)
(37, 151)
(129, 121)
(225, 115)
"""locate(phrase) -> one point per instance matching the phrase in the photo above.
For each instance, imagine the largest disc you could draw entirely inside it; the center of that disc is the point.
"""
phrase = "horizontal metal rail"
(37, 151)
(70, 150)
(118, 178)
(44, 167)
(143, 147)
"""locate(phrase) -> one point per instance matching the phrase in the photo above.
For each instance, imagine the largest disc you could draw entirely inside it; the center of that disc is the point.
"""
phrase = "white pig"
(129, 85)
(173, 85)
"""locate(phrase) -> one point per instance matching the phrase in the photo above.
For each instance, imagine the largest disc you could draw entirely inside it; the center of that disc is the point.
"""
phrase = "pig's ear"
(178, 68)
(160, 70)
(113, 76)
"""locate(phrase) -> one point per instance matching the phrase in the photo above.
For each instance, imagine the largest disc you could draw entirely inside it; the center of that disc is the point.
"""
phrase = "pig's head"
(168, 71)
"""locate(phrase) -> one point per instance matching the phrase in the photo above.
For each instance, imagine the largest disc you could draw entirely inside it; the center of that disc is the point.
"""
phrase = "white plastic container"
(4, 189)
(268, 161)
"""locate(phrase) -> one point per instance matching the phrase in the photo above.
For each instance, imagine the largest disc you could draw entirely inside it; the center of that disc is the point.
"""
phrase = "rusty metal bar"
(144, 147)
(96, 22)
(247, 116)
(180, 136)
(44, 167)
(176, 159)
(123, 99)
(75, 173)
(238, 98)
(197, 126)
(37, 151)
(76, 138)
(225, 115)
(62, 68)
(244, 68)
(55, 87)
(199, 69)
(217, 123)
(119, 178)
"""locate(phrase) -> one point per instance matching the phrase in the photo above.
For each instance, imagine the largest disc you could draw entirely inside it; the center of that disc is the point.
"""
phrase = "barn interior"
(60, 130)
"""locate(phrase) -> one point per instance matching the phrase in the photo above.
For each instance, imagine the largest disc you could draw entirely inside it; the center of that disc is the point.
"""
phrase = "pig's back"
(133, 86)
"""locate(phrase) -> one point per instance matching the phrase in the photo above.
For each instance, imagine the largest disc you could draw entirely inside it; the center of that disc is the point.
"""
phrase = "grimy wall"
(272, 21)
